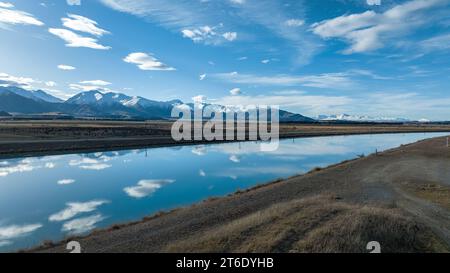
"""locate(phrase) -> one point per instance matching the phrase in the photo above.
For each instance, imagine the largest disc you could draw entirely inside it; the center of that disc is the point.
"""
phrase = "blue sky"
(364, 57)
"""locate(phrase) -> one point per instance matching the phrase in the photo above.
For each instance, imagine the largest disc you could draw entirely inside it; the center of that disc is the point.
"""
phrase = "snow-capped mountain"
(346, 117)
(105, 105)
(36, 95)
(109, 99)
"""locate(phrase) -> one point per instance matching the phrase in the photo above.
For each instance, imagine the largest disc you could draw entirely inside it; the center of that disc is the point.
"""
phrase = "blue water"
(49, 198)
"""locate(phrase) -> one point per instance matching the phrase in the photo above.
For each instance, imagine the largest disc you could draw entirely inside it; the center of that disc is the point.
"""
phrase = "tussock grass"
(430, 191)
(318, 224)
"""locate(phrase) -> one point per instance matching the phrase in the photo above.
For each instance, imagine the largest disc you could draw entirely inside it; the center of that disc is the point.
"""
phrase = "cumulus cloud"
(74, 40)
(15, 231)
(98, 85)
(66, 181)
(235, 91)
(6, 79)
(199, 150)
(96, 167)
(208, 34)
(74, 2)
(82, 225)
(145, 188)
(199, 99)
(146, 61)
(294, 23)
(9, 15)
(83, 24)
(96, 82)
(20, 167)
(230, 36)
(199, 34)
(76, 208)
(374, 2)
(202, 77)
(66, 67)
(235, 159)
(6, 5)
(369, 30)
(91, 164)
(50, 83)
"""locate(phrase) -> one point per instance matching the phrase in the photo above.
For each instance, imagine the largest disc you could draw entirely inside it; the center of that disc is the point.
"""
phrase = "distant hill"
(96, 104)
(5, 114)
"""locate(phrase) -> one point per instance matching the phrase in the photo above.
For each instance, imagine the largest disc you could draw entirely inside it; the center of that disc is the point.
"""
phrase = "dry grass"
(430, 191)
(319, 224)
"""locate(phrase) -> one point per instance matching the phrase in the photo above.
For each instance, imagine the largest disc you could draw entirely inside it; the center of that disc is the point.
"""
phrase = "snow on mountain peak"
(98, 96)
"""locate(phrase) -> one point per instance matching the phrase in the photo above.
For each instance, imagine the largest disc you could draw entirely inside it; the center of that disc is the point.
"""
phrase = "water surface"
(49, 198)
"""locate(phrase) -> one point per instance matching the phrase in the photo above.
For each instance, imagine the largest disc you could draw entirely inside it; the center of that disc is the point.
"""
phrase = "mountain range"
(355, 118)
(95, 104)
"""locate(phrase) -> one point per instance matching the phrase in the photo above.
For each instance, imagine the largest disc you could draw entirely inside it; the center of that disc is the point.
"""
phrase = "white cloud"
(147, 62)
(208, 34)
(66, 67)
(199, 150)
(16, 231)
(50, 83)
(369, 31)
(202, 77)
(76, 208)
(191, 17)
(13, 80)
(235, 159)
(145, 188)
(199, 99)
(328, 80)
(266, 61)
(230, 36)
(74, 2)
(74, 40)
(82, 87)
(66, 181)
(373, 2)
(306, 104)
(91, 164)
(16, 17)
(6, 5)
(440, 42)
(295, 23)
(240, 2)
(235, 91)
(96, 82)
(21, 167)
(96, 167)
(50, 165)
(83, 24)
(202, 173)
(82, 225)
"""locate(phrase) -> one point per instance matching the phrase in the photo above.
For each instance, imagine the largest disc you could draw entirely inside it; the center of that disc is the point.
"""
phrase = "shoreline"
(314, 191)
(31, 142)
